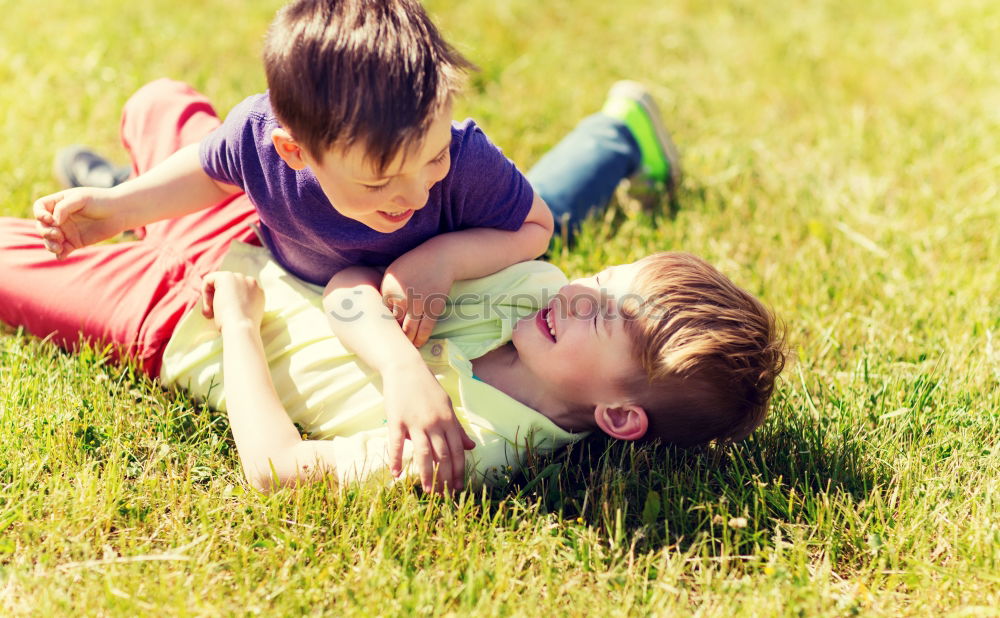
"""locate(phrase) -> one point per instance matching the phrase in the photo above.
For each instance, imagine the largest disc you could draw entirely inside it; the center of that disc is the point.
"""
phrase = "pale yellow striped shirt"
(332, 395)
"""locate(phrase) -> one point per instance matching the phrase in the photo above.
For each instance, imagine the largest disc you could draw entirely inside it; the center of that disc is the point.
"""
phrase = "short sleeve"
(489, 188)
(222, 151)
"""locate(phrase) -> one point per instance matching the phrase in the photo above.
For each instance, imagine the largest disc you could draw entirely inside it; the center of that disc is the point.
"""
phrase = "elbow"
(534, 238)
(261, 483)
(264, 478)
(542, 237)
(267, 477)
(352, 277)
(542, 226)
(344, 289)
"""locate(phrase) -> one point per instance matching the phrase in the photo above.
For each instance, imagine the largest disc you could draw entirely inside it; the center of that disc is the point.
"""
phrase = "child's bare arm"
(416, 406)
(75, 218)
(416, 284)
(271, 450)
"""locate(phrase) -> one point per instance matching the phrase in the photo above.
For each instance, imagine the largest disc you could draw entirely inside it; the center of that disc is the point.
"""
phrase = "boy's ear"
(288, 149)
(624, 422)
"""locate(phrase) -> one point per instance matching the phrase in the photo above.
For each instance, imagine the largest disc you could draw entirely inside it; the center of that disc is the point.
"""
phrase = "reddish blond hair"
(710, 351)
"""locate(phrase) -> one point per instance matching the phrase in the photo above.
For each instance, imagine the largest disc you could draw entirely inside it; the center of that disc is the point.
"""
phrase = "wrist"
(406, 361)
(239, 325)
(117, 202)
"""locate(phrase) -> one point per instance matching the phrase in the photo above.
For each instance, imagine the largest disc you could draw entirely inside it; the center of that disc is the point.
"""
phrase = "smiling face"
(383, 201)
(577, 345)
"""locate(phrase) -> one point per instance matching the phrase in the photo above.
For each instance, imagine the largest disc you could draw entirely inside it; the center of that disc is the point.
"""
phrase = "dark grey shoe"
(79, 166)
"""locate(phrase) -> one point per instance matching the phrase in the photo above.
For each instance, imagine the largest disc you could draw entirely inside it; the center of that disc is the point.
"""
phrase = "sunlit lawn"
(842, 162)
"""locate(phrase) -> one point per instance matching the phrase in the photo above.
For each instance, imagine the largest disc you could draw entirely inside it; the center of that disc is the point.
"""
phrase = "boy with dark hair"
(350, 158)
(666, 347)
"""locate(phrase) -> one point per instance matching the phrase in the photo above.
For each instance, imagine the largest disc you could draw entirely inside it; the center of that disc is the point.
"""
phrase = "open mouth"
(543, 319)
(397, 216)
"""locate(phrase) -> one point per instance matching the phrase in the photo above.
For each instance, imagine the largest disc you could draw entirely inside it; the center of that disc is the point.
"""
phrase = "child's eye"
(375, 188)
(441, 157)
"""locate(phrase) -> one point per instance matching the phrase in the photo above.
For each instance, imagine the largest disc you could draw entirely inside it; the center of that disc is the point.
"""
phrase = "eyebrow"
(391, 176)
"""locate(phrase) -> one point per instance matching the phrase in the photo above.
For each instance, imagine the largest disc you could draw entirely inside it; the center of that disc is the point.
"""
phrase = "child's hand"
(418, 408)
(75, 218)
(232, 297)
(415, 288)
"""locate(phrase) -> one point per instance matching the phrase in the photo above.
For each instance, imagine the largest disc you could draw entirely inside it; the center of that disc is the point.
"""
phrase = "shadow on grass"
(644, 496)
(732, 497)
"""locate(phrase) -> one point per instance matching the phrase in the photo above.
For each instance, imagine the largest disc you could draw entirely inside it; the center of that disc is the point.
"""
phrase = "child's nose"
(414, 196)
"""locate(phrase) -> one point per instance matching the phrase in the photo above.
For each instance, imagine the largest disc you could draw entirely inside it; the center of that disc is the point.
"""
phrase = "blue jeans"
(579, 176)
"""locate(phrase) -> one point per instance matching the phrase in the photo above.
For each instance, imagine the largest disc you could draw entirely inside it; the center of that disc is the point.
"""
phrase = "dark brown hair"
(368, 71)
(710, 351)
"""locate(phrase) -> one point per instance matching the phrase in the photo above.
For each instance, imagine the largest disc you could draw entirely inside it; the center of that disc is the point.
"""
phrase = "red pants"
(131, 294)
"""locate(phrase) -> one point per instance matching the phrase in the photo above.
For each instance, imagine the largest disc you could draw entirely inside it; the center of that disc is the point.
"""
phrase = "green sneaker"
(631, 103)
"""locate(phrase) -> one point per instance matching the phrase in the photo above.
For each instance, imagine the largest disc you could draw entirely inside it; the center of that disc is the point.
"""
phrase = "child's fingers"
(44, 220)
(393, 296)
(208, 303)
(42, 209)
(396, 438)
(65, 207)
(396, 305)
(208, 296)
(457, 456)
(423, 330)
(53, 234)
(429, 310)
(53, 247)
(444, 460)
(411, 326)
(423, 459)
(467, 442)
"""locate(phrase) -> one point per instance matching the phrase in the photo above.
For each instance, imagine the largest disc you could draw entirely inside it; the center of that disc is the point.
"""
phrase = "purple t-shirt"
(308, 237)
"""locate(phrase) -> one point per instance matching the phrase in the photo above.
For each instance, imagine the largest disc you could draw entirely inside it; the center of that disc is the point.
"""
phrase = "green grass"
(842, 162)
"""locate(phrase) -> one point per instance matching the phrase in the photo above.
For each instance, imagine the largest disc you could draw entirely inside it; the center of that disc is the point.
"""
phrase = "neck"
(503, 370)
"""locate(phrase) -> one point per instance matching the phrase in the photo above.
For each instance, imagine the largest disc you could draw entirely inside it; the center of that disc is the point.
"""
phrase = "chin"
(383, 227)
(526, 340)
